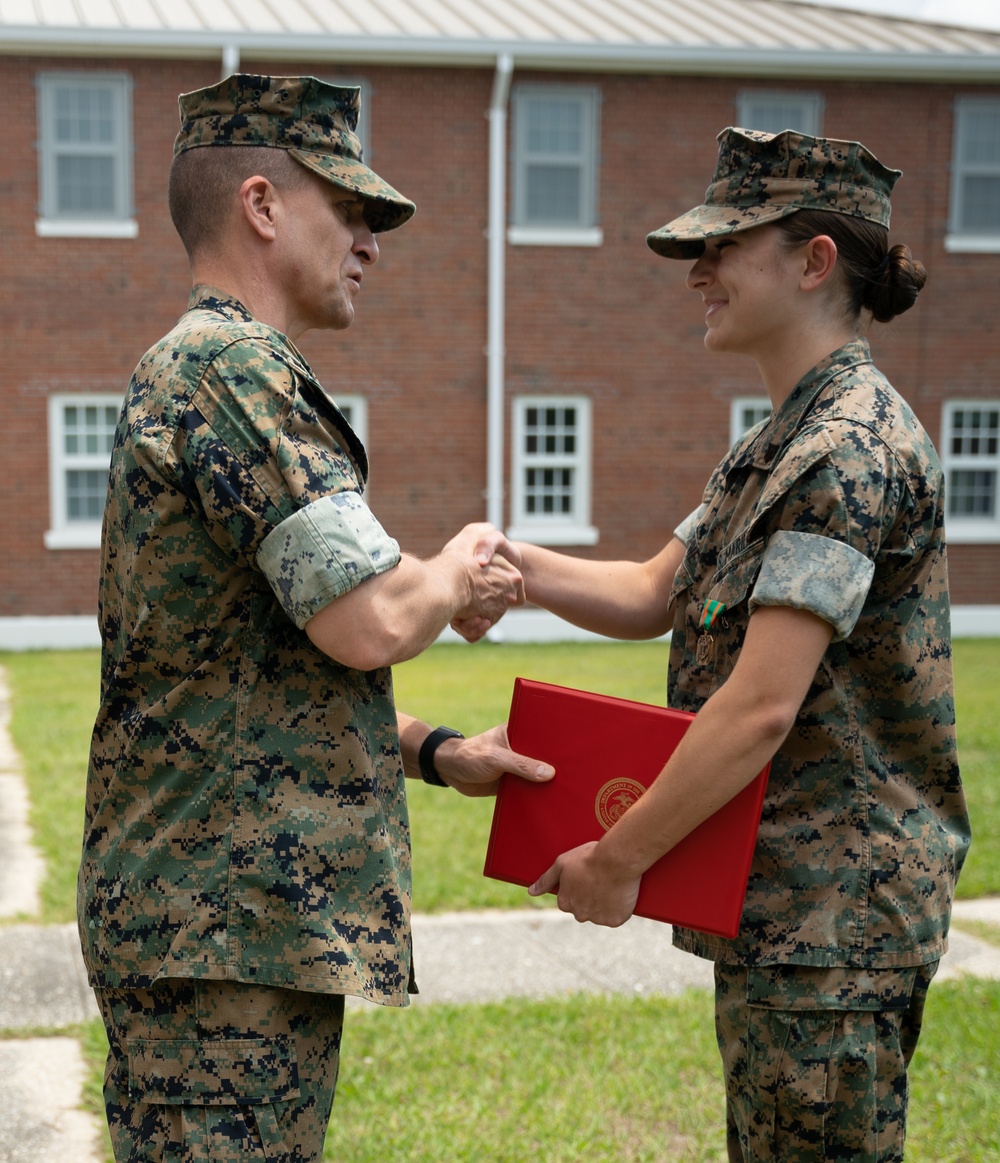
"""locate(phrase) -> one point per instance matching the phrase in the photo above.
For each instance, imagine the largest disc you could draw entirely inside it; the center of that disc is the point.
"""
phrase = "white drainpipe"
(495, 340)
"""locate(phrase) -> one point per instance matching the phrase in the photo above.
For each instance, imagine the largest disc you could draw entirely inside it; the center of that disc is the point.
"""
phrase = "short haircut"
(204, 181)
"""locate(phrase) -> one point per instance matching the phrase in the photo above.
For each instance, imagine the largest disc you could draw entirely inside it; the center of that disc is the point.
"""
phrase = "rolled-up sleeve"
(323, 551)
(810, 572)
(685, 530)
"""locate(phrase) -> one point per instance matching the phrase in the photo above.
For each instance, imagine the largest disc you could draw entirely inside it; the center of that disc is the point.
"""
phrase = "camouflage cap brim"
(385, 207)
(762, 177)
(684, 237)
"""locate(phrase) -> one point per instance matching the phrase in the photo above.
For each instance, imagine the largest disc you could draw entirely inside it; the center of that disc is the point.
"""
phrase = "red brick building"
(519, 354)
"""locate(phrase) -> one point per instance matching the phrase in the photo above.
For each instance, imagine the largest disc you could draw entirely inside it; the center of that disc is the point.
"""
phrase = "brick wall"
(613, 322)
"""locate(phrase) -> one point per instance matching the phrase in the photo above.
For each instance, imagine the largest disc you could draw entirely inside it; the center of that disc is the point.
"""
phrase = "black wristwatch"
(425, 758)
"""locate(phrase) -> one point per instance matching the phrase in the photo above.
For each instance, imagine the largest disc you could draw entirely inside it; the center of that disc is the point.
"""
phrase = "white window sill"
(972, 532)
(86, 228)
(555, 236)
(972, 243)
(555, 535)
(87, 536)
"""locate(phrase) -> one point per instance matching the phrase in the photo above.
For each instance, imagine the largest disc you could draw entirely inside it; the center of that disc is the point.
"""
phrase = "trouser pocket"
(214, 1098)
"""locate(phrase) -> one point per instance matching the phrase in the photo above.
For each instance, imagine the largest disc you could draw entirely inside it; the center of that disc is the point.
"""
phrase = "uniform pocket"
(211, 1072)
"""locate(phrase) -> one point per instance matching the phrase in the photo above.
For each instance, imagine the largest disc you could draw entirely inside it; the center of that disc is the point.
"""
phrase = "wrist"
(428, 750)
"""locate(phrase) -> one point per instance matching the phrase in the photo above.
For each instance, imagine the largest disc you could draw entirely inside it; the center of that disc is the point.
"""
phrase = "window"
(971, 458)
(744, 413)
(550, 498)
(975, 178)
(85, 155)
(771, 112)
(355, 409)
(554, 171)
(81, 433)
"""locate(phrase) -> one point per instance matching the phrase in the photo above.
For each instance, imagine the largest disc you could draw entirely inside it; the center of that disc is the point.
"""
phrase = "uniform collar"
(206, 298)
(764, 448)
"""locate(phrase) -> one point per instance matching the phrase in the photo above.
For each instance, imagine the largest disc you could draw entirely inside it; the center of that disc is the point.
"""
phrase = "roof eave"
(566, 56)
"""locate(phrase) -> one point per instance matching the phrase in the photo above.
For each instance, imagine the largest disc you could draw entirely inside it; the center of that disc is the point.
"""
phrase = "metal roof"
(750, 36)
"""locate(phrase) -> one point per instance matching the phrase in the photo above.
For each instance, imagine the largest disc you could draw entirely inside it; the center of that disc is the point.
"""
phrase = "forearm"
(729, 742)
(733, 736)
(392, 617)
(619, 599)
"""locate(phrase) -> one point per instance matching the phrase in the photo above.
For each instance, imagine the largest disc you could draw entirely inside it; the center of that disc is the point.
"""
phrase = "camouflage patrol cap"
(761, 177)
(314, 121)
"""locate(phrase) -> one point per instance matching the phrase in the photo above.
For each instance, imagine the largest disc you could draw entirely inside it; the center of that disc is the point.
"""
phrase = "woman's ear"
(819, 256)
(257, 204)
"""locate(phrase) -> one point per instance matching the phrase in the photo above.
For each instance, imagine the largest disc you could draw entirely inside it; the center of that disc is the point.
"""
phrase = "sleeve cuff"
(810, 572)
(323, 551)
(685, 530)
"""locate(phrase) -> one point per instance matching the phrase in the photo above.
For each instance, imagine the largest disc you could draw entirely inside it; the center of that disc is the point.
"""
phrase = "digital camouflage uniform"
(246, 855)
(833, 505)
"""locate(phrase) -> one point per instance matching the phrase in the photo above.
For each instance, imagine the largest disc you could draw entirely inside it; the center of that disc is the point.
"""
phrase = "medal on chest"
(704, 653)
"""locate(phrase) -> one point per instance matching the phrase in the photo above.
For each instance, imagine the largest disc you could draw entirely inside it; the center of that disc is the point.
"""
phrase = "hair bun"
(893, 288)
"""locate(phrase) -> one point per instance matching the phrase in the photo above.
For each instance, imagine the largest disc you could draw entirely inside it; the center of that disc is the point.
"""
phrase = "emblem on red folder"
(615, 798)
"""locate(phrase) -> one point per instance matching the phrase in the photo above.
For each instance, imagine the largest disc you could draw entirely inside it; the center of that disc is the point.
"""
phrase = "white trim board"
(519, 626)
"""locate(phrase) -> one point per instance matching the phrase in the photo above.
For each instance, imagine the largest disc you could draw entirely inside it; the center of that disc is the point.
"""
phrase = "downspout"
(495, 340)
(230, 60)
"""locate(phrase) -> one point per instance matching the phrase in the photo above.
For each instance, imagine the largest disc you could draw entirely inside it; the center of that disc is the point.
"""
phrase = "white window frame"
(355, 408)
(52, 221)
(558, 528)
(65, 532)
(761, 407)
(959, 239)
(970, 530)
(585, 231)
(805, 110)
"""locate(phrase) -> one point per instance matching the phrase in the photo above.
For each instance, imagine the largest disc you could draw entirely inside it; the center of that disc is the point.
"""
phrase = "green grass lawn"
(55, 698)
(623, 1079)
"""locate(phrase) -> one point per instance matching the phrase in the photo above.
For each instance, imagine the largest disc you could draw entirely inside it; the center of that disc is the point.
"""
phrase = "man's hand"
(590, 887)
(498, 584)
(474, 766)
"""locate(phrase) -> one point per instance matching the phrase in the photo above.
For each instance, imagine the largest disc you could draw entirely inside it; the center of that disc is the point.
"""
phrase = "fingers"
(492, 543)
(533, 770)
(471, 629)
(547, 882)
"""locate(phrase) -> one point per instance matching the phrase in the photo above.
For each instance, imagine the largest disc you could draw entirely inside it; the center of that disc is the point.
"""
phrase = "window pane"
(555, 125)
(975, 432)
(550, 431)
(85, 184)
(753, 414)
(554, 193)
(981, 203)
(972, 493)
(86, 490)
(981, 135)
(84, 115)
(774, 116)
(549, 491)
(89, 430)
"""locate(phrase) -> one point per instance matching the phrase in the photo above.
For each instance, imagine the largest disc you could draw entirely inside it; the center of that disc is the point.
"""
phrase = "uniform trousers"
(218, 1071)
(815, 1060)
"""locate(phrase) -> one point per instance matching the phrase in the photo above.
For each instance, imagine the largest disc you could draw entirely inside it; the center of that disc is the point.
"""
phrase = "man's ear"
(819, 257)
(257, 204)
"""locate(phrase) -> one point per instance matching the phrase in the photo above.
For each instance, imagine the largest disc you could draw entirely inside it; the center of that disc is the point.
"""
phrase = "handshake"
(491, 566)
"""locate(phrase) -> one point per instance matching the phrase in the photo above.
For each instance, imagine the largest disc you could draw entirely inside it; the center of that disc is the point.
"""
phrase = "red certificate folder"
(606, 752)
